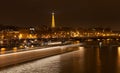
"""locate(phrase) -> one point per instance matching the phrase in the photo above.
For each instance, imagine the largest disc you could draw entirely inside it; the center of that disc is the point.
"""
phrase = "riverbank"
(24, 56)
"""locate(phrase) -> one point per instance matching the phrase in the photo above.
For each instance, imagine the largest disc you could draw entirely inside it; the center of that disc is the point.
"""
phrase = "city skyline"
(67, 13)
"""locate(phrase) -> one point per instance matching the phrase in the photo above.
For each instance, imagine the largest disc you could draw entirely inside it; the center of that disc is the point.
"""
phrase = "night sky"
(82, 13)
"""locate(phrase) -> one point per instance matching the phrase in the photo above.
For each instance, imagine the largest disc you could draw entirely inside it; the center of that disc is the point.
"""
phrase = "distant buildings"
(12, 32)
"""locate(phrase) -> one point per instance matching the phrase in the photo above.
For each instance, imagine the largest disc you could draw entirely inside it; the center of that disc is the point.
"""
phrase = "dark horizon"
(67, 13)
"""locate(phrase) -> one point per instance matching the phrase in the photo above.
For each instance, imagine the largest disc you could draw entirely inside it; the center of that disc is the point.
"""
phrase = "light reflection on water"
(118, 52)
(47, 65)
(98, 60)
(118, 60)
(85, 60)
(82, 59)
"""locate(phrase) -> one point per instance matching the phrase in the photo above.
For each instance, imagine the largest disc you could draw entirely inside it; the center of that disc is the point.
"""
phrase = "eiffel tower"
(53, 20)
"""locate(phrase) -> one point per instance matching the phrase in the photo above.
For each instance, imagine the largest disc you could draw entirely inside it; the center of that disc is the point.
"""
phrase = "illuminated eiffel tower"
(53, 20)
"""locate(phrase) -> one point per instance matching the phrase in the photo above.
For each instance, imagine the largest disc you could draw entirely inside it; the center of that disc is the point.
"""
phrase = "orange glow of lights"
(15, 49)
(21, 47)
(119, 51)
(3, 49)
(20, 36)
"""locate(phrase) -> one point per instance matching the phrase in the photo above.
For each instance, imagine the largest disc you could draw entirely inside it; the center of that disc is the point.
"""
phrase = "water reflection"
(98, 60)
(118, 59)
(91, 60)
(85, 60)
(82, 59)
(108, 58)
(81, 49)
(47, 65)
(119, 52)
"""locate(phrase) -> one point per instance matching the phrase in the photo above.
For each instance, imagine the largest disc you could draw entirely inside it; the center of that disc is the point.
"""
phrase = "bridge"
(96, 38)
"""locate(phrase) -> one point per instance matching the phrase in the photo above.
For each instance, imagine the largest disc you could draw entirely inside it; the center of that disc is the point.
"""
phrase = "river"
(88, 59)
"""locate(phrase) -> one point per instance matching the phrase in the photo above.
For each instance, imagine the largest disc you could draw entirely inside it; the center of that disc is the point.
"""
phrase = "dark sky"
(82, 13)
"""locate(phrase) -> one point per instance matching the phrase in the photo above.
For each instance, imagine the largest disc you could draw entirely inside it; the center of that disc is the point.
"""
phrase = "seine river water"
(88, 59)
